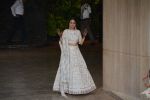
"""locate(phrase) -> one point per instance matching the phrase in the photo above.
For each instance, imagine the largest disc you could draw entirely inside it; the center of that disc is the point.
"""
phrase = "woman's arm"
(81, 39)
(60, 34)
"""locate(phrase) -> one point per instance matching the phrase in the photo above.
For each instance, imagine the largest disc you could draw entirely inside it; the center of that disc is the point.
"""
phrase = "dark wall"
(5, 19)
(35, 21)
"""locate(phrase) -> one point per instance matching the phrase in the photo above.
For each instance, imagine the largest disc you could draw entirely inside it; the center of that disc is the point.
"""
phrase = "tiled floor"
(29, 73)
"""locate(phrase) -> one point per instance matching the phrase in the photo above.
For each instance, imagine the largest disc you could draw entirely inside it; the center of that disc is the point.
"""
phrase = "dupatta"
(64, 61)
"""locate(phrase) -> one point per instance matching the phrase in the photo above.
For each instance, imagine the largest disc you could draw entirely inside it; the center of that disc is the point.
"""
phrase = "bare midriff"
(73, 43)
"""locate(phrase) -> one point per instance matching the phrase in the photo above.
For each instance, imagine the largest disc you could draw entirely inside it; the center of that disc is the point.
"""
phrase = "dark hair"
(76, 20)
(72, 18)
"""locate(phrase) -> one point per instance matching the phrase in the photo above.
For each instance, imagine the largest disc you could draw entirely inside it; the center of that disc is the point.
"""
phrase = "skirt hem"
(77, 92)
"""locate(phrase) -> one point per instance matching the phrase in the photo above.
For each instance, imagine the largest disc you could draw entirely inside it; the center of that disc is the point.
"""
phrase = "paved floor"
(28, 73)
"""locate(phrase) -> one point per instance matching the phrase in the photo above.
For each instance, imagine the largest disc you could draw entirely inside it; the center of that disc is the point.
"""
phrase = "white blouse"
(73, 36)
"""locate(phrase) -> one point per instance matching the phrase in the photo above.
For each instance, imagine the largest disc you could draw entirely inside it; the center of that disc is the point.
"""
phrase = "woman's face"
(72, 24)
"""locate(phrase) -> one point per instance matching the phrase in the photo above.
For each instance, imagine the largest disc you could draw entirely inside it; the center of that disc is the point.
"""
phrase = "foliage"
(60, 13)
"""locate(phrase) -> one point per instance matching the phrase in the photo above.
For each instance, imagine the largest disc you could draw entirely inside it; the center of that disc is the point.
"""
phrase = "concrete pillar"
(126, 46)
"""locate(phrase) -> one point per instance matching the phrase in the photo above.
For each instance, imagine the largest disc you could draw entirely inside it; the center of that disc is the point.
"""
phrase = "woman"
(72, 76)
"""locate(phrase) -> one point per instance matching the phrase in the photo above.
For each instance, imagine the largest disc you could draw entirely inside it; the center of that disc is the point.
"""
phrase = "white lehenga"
(72, 75)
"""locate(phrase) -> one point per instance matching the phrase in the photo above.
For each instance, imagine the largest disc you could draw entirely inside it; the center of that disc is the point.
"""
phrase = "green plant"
(61, 13)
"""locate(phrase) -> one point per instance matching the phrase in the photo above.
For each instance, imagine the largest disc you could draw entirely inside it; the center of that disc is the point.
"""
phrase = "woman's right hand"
(59, 32)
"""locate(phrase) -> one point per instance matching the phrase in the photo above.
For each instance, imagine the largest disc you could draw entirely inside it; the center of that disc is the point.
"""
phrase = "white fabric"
(85, 11)
(72, 75)
(17, 8)
(147, 92)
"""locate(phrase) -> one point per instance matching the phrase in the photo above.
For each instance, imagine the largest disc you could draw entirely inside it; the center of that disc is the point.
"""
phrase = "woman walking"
(72, 76)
